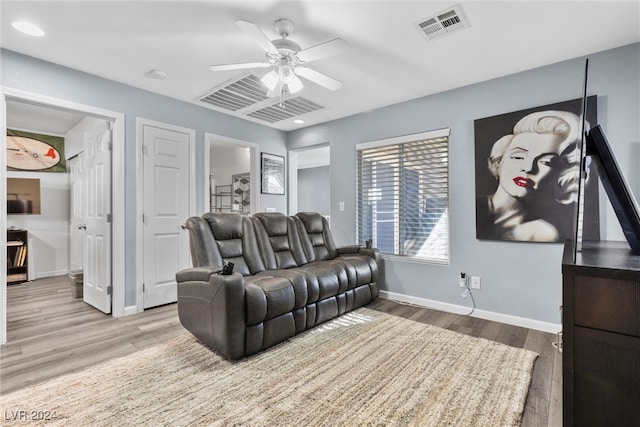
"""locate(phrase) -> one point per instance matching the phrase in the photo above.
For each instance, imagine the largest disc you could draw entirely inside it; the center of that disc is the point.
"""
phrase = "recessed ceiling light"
(156, 74)
(298, 121)
(26, 27)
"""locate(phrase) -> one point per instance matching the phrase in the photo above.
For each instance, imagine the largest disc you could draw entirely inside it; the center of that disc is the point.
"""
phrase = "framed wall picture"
(527, 174)
(272, 173)
(27, 151)
(23, 196)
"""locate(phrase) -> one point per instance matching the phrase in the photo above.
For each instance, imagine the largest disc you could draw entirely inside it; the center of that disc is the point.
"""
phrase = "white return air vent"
(445, 22)
(292, 107)
(237, 94)
(246, 96)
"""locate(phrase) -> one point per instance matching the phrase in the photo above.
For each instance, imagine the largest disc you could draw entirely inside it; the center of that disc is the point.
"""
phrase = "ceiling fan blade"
(242, 66)
(322, 50)
(257, 34)
(318, 78)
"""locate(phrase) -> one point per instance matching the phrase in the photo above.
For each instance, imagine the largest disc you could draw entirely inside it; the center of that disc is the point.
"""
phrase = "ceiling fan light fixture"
(270, 80)
(295, 85)
(286, 73)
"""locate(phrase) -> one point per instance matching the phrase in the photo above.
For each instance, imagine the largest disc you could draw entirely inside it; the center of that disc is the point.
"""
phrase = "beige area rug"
(364, 368)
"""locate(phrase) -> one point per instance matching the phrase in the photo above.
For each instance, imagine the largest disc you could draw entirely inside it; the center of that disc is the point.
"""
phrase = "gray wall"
(37, 76)
(313, 190)
(518, 279)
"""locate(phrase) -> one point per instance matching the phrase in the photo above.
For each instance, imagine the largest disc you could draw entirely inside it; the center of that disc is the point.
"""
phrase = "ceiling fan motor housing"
(286, 46)
(284, 27)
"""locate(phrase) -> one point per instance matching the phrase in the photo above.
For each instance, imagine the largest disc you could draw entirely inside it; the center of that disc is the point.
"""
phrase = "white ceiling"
(35, 118)
(387, 60)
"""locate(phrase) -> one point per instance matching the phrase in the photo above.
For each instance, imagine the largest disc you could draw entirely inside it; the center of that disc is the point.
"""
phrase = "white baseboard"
(44, 274)
(129, 310)
(481, 314)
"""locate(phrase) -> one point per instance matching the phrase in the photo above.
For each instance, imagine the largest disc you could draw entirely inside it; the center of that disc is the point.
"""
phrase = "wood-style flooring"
(51, 333)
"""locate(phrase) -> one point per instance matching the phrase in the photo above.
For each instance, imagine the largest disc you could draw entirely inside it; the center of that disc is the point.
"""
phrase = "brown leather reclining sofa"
(288, 277)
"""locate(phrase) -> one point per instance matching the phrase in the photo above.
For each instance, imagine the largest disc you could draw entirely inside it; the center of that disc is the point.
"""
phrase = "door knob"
(184, 226)
(82, 227)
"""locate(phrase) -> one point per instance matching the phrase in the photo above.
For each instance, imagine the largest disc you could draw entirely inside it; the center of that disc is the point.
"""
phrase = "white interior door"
(166, 171)
(97, 225)
(77, 215)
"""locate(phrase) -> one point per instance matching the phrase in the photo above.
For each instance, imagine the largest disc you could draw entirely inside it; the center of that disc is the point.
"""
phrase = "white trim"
(481, 314)
(44, 274)
(117, 190)
(191, 133)
(118, 239)
(254, 168)
(3, 220)
(438, 133)
(293, 182)
(131, 309)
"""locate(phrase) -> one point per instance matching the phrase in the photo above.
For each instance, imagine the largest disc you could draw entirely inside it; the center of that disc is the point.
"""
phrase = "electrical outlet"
(475, 282)
(465, 293)
(463, 280)
(341, 207)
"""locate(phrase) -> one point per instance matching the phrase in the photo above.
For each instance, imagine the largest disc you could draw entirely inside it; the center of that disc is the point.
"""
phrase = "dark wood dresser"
(601, 335)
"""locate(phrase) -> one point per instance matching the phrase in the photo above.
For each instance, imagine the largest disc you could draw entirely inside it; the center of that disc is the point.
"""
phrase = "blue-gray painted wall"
(518, 279)
(36, 76)
(314, 190)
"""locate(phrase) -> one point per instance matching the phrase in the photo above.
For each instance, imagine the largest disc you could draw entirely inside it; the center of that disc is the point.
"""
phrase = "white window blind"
(403, 195)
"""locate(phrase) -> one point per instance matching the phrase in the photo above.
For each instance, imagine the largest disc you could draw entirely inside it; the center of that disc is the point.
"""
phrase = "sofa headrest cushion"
(275, 223)
(225, 226)
(312, 221)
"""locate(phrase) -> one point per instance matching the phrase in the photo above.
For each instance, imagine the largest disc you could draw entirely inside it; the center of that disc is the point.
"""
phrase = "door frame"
(293, 172)
(254, 169)
(140, 124)
(117, 191)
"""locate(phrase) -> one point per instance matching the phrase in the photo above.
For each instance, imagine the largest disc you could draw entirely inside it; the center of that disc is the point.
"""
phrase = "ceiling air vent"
(445, 22)
(290, 108)
(237, 94)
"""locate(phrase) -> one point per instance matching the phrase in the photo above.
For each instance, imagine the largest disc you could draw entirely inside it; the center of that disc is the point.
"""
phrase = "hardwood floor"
(51, 333)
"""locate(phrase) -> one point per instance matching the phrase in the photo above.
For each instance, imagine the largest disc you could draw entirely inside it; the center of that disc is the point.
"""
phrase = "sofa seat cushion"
(298, 282)
(363, 269)
(267, 297)
(328, 277)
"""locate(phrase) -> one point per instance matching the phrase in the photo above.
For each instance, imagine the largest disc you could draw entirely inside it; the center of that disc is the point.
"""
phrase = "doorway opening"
(231, 171)
(310, 180)
(17, 110)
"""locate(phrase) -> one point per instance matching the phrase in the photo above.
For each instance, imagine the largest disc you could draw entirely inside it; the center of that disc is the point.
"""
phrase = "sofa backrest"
(204, 250)
(278, 240)
(266, 241)
(315, 236)
(235, 241)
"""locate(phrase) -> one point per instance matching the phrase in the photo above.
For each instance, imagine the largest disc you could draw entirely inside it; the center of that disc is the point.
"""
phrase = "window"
(403, 195)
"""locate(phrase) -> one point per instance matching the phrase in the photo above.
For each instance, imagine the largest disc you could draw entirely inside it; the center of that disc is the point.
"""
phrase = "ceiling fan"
(287, 60)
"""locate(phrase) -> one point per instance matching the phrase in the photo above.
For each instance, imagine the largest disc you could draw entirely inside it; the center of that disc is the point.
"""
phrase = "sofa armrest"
(196, 274)
(352, 249)
(359, 250)
(212, 307)
(372, 252)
